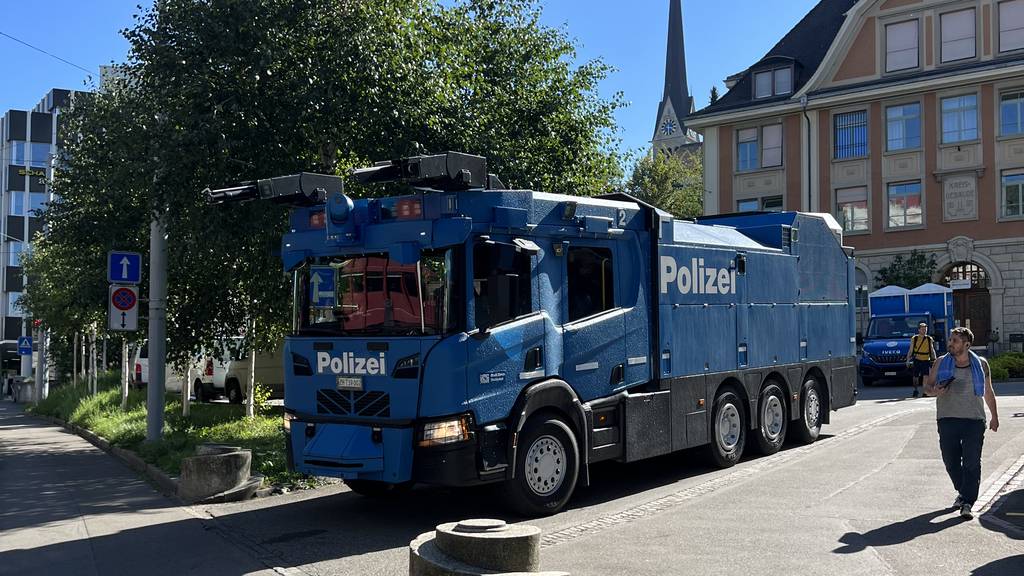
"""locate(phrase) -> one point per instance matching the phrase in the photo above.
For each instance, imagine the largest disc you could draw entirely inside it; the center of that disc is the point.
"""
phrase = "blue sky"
(722, 37)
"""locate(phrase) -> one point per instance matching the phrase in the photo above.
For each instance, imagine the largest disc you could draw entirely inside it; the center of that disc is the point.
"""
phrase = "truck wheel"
(867, 381)
(547, 463)
(234, 392)
(771, 424)
(377, 489)
(728, 429)
(809, 424)
(197, 387)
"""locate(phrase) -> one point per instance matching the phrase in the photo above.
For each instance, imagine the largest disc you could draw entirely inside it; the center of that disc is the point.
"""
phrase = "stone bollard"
(477, 547)
(217, 473)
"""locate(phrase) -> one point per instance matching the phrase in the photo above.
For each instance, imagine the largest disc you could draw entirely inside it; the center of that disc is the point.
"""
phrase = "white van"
(269, 373)
(174, 379)
(207, 373)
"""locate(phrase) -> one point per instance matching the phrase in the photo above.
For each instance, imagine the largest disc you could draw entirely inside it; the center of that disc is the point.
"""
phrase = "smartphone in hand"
(944, 383)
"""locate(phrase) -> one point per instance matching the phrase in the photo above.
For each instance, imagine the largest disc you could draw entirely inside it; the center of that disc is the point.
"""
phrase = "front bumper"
(872, 370)
(388, 453)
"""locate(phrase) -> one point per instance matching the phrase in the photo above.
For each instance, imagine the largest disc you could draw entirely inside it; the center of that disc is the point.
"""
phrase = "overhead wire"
(20, 41)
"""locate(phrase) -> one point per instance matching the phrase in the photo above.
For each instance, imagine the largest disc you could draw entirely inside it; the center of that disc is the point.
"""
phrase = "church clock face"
(668, 127)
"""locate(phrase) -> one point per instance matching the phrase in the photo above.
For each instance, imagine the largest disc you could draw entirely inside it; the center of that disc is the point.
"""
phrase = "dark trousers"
(920, 369)
(960, 441)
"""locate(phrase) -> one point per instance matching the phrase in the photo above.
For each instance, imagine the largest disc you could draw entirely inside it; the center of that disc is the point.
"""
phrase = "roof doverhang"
(806, 45)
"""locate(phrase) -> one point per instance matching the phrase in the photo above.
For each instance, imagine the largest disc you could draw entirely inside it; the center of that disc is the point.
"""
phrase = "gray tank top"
(960, 401)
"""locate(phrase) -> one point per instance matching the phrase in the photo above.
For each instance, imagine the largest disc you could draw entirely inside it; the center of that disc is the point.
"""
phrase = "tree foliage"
(672, 182)
(911, 272)
(220, 91)
(714, 95)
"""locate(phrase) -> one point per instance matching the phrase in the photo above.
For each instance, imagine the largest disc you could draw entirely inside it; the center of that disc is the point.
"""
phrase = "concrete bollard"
(217, 473)
(477, 547)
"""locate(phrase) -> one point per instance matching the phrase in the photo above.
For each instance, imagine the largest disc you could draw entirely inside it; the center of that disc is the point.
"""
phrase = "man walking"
(920, 356)
(959, 381)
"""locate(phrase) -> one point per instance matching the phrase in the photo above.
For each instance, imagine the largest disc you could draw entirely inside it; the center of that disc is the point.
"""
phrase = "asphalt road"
(870, 497)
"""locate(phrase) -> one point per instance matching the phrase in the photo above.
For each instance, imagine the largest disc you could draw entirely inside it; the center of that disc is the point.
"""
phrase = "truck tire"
(867, 381)
(728, 433)
(378, 489)
(546, 467)
(233, 390)
(197, 388)
(808, 425)
(771, 419)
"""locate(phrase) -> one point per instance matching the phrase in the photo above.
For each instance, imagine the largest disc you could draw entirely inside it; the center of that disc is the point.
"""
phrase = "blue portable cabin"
(888, 300)
(602, 324)
(936, 301)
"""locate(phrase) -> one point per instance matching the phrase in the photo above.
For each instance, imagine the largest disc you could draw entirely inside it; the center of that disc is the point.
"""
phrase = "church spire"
(675, 62)
(670, 126)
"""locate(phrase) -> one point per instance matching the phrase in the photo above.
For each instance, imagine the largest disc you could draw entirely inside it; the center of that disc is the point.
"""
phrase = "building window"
(16, 152)
(749, 205)
(861, 288)
(775, 82)
(903, 127)
(1013, 194)
(13, 308)
(1011, 25)
(37, 203)
(771, 152)
(1011, 114)
(39, 155)
(958, 35)
(905, 208)
(766, 204)
(771, 204)
(17, 204)
(901, 46)
(14, 250)
(746, 149)
(960, 118)
(852, 208)
(967, 271)
(851, 135)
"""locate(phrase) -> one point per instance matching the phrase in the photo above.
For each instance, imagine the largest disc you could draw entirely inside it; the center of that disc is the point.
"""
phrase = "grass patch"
(219, 423)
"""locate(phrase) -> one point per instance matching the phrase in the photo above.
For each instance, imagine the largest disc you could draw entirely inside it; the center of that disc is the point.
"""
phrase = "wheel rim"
(545, 465)
(772, 418)
(812, 407)
(728, 427)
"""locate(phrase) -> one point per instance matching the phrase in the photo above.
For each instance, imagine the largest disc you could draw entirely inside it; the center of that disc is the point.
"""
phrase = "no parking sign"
(123, 308)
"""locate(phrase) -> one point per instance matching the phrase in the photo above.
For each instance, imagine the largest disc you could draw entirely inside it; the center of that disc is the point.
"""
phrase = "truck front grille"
(889, 358)
(351, 403)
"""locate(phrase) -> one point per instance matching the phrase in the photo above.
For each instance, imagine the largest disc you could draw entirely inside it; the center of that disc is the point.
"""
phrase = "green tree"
(911, 272)
(672, 182)
(220, 91)
(714, 95)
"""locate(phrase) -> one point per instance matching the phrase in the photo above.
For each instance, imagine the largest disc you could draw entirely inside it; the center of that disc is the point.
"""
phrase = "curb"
(165, 484)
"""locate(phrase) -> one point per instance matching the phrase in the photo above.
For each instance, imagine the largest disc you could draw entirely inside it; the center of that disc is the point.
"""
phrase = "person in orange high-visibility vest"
(920, 356)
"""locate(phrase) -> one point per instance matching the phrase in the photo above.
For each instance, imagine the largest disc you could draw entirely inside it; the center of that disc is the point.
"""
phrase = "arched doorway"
(972, 307)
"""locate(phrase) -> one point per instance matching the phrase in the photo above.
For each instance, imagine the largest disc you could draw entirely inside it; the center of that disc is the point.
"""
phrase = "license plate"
(887, 374)
(347, 383)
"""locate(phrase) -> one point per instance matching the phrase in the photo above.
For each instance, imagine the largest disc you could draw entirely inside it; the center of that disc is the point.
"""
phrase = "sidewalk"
(66, 507)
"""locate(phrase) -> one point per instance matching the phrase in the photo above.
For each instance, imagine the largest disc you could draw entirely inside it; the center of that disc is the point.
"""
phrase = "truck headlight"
(445, 432)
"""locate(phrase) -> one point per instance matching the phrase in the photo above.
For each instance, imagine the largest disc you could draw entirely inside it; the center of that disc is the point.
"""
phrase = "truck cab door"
(505, 351)
(594, 326)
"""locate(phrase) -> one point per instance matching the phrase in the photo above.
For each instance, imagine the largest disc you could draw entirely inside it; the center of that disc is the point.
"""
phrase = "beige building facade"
(908, 127)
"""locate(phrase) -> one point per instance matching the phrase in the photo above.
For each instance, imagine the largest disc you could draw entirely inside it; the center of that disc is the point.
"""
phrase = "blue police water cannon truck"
(466, 334)
(894, 316)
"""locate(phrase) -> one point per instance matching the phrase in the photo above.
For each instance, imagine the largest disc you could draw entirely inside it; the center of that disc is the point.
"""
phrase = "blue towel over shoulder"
(948, 364)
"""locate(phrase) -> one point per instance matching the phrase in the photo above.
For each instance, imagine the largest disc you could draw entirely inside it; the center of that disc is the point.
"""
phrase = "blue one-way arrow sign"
(25, 345)
(124, 267)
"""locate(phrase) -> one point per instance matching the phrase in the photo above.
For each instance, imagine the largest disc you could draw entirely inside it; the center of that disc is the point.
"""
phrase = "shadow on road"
(898, 532)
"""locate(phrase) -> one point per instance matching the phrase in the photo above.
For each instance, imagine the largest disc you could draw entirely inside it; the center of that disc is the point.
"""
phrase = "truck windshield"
(895, 327)
(374, 295)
